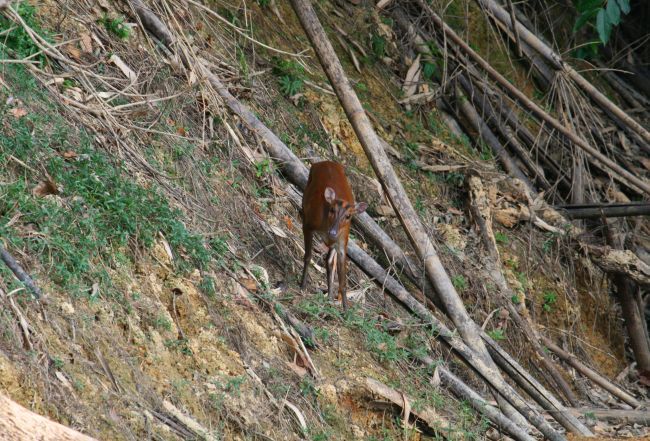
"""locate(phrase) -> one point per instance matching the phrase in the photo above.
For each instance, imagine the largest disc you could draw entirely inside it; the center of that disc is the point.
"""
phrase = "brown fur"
(330, 218)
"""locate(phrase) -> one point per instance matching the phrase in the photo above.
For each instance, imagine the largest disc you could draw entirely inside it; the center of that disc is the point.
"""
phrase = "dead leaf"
(435, 378)
(73, 51)
(412, 76)
(300, 371)
(45, 188)
(385, 210)
(277, 231)
(126, 70)
(248, 283)
(69, 154)
(86, 43)
(288, 222)
(18, 112)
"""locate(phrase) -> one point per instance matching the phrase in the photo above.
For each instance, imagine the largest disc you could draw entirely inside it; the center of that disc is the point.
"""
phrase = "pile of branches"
(587, 157)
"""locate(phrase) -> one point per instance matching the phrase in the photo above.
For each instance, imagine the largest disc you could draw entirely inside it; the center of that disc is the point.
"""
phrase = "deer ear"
(360, 207)
(330, 195)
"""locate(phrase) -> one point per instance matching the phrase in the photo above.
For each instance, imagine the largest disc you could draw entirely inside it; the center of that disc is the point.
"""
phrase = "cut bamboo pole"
(19, 423)
(463, 391)
(591, 374)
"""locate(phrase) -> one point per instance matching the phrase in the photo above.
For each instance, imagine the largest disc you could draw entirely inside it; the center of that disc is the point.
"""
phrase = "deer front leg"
(341, 268)
(331, 270)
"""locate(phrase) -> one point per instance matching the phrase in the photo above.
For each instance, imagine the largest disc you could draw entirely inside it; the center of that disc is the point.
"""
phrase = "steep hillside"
(168, 246)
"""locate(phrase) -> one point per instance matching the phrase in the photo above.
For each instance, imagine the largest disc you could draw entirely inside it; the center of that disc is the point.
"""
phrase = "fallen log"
(591, 374)
(597, 211)
(19, 423)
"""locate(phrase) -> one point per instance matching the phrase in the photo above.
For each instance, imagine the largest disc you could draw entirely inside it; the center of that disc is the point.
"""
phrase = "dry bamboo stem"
(19, 423)
(534, 388)
(614, 415)
(463, 391)
(556, 60)
(19, 272)
(389, 180)
(602, 161)
(591, 374)
(480, 126)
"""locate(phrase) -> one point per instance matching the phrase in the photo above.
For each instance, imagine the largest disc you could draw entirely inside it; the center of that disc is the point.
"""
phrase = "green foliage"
(115, 26)
(262, 168)
(291, 75)
(607, 15)
(549, 299)
(460, 282)
(501, 238)
(497, 334)
(377, 45)
(16, 39)
(208, 287)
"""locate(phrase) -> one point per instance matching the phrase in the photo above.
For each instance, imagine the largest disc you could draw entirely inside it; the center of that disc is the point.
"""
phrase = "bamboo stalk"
(604, 210)
(463, 391)
(534, 388)
(591, 374)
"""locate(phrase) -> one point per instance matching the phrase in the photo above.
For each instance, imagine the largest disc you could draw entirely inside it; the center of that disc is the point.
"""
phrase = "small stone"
(328, 392)
(67, 308)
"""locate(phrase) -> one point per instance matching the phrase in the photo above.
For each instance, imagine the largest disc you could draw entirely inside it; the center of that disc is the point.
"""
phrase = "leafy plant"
(17, 39)
(606, 14)
(460, 282)
(290, 76)
(497, 334)
(378, 45)
(501, 238)
(115, 26)
(549, 299)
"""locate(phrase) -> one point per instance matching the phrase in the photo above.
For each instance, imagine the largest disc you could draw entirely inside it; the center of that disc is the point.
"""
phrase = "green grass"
(115, 26)
(291, 76)
(100, 216)
(15, 41)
